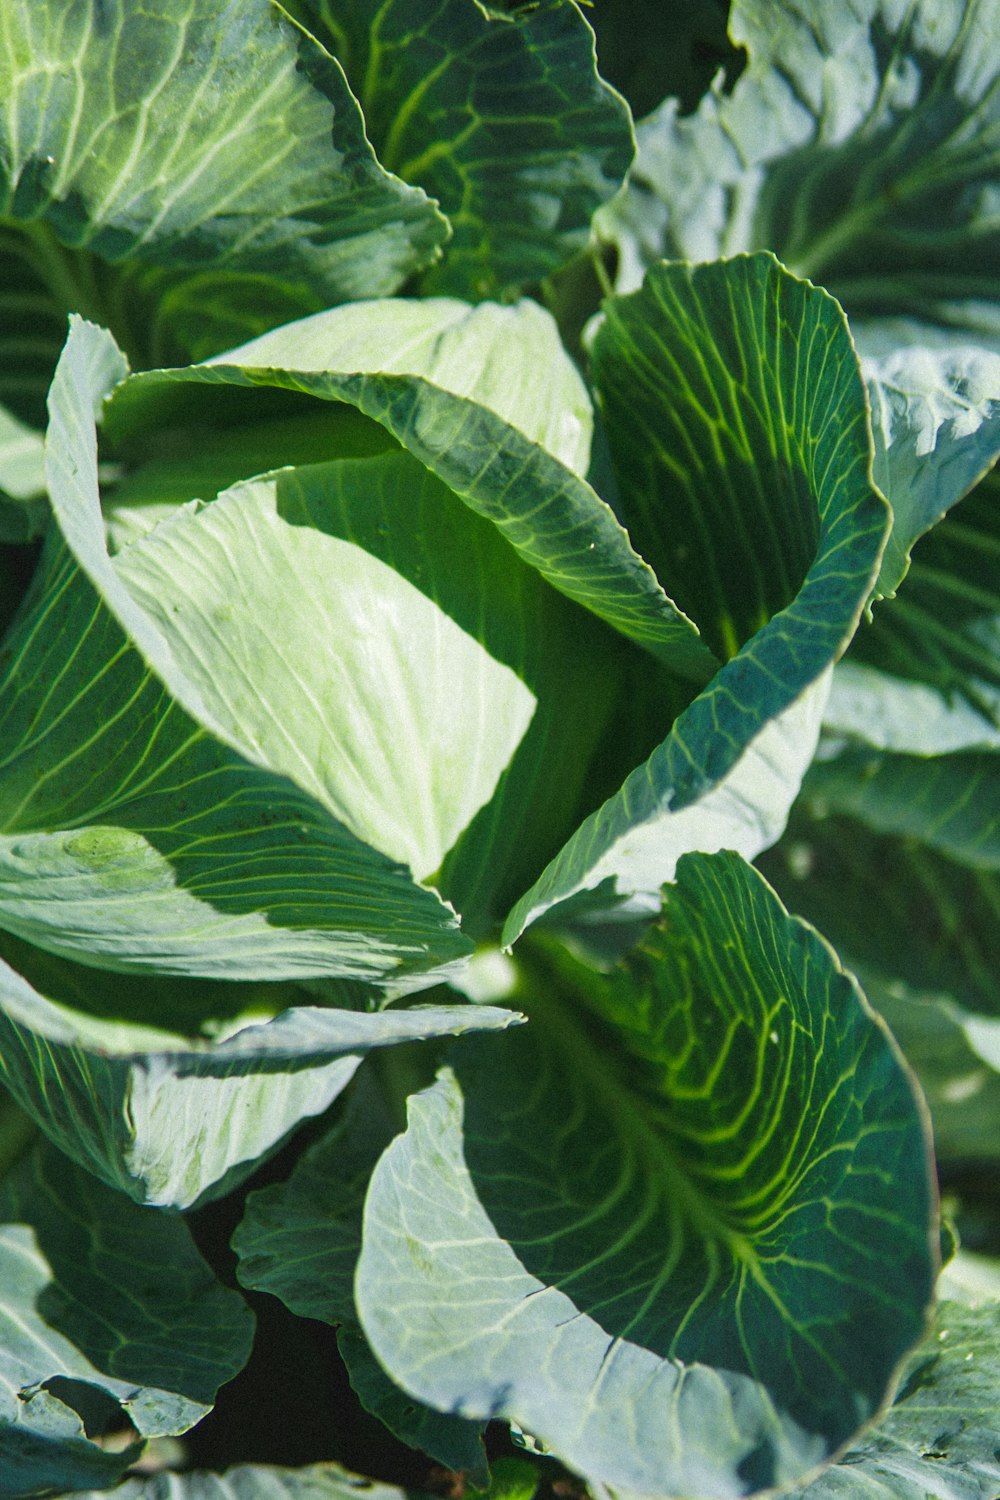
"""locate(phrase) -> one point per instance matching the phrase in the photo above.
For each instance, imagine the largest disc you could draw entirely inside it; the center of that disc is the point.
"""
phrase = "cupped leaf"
(189, 175)
(508, 359)
(489, 402)
(395, 658)
(736, 418)
(257, 1482)
(172, 1090)
(679, 1228)
(859, 145)
(737, 425)
(111, 1318)
(338, 671)
(941, 1436)
(500, 116)
(300, 1240)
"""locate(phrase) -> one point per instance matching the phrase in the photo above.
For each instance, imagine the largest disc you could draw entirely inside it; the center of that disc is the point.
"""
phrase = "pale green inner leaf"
(507, 358)
(500, 443)
(328, 665)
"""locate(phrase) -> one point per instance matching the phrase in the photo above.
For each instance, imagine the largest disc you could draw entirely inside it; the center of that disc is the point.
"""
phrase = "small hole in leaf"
(99, 1412)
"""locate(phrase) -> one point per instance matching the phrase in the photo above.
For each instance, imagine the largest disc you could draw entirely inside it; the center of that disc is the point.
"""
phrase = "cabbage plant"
(499, 693)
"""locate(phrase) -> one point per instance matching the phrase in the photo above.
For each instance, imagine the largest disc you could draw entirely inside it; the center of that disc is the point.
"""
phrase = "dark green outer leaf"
(735, 413)
(212, 139)
(649, 50)
(679, 1227)
(948, 803)
(501, 117)
(938, 920)
(943, 627)
(858, 145)
(961, 1088)
(737, 424)
(107, 1305)
(899, 816)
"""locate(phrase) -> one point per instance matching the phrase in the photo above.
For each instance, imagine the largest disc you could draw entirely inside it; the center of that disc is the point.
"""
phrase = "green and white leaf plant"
(485, 568)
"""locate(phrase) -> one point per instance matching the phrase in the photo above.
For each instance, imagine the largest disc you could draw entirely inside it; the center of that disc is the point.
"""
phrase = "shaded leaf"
(946, 803)
(736, 421)
(942, 630)
(172, 1090)
(926, 959)
(937, 917)
(300, 1241)
(259, 1482)
(898, 815)
(108, 1311)
(649, 50)
(499, 115)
